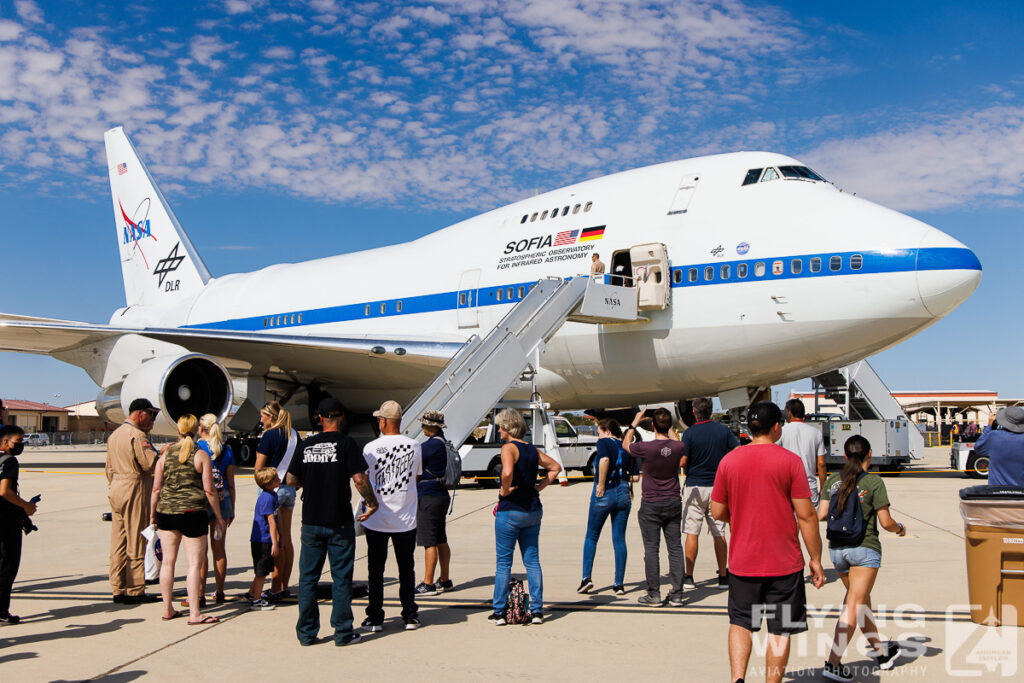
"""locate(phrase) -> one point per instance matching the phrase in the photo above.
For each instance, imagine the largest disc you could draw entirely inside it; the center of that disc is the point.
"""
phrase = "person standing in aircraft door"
(661, 508)
(129, 470)
(596, 266)
(276, 449)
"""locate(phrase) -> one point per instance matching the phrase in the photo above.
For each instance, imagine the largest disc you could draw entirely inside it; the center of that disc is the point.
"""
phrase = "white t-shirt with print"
(394, 462)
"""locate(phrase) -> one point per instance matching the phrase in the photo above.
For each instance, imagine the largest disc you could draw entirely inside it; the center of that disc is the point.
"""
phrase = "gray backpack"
(453, 466)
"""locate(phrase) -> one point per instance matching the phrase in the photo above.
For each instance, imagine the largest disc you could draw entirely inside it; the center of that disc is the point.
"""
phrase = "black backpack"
(619, 470)
(847, 528)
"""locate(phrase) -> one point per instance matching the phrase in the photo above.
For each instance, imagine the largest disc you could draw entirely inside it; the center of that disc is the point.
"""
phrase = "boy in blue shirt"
(264, 539)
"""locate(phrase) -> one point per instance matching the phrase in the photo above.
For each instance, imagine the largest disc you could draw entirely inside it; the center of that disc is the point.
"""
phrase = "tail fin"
(159, 264)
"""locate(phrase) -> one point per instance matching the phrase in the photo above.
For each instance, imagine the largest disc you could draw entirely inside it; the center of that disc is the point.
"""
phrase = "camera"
(26, 522)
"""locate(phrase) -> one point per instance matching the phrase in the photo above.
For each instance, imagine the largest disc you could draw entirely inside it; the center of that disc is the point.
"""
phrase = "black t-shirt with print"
(325, 464)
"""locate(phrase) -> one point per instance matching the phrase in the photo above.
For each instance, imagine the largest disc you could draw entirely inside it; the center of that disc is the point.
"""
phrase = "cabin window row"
(796, 267)
(556, 212)
(383, 307)
(279, 320)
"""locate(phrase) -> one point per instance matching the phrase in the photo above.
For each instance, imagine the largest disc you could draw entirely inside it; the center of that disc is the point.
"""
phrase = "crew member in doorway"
(130, 464)
(1003, 443)
(596, 266)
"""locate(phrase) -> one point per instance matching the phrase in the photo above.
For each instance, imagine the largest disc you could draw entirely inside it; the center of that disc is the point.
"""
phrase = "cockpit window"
(769, 174)
(752, 176)
(801, 172)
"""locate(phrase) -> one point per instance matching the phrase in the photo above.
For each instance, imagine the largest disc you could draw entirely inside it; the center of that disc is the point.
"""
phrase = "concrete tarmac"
(72, 631)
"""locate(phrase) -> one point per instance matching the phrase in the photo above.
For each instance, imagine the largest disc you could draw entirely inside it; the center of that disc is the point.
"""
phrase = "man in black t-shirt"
(322, 466)
(12, 507)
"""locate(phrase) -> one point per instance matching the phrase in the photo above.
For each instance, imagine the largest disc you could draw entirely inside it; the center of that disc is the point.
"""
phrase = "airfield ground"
(72, 631)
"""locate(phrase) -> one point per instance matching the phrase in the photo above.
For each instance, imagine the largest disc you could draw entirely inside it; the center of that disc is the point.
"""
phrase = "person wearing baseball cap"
(433, 505)
(131, 460)
(1003, 443)
(394, 462)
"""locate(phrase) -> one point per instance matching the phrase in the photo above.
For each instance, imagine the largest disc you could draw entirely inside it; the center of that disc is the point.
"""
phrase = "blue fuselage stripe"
(722, 272)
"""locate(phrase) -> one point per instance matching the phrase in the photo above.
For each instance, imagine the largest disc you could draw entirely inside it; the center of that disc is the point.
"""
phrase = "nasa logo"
(135, 232)
(538, 242)
(742, 248)
(612, 302)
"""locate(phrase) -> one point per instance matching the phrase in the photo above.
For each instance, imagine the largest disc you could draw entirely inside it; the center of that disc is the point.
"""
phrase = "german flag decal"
(590, 234)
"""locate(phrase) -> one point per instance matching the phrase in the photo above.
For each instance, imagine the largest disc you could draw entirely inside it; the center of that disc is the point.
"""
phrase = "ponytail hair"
(857, 449)
(187, 429)
(611, 425)
(282, 419)
(214, 435)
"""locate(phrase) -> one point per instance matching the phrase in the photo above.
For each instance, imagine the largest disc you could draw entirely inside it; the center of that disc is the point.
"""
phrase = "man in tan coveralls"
(130, 463)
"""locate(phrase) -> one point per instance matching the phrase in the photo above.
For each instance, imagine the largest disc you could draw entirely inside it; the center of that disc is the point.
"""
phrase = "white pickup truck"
(481, 457)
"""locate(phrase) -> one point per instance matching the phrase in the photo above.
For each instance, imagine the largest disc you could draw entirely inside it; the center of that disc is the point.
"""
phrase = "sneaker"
(649, 600)
(118, 599)
(260, 604)
(585, 586)
(412, 623)
(619, 589)
(536, 617)
(426, 589)
(9, 619)
(836, 672)
(688, 582)
(723, 581)
(348, 639)
(372, 627)
(280, 595)
(497, 619)
(445, 586)
(676, 600)
(888, 660)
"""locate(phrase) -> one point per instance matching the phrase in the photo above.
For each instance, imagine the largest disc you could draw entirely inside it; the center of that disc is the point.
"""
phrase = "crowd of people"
(766, 494)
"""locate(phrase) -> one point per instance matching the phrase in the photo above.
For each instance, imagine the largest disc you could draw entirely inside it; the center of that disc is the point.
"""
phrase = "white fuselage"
(717, 333)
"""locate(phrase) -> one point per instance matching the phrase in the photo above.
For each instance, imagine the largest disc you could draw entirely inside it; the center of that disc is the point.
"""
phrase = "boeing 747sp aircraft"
(749, 269)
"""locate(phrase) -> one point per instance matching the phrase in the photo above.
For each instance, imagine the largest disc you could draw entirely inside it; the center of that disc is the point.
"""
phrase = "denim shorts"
(286, 496)
(857, 556)
(227, 510)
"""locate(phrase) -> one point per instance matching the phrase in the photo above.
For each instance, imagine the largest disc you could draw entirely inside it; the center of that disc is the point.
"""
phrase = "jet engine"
(177, 385)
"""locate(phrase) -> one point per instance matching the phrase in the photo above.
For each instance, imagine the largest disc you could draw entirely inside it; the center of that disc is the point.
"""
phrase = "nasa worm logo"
(742, 248)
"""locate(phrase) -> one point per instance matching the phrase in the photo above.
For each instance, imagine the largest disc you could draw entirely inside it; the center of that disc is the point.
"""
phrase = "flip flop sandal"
(174, 615)
(205, 620)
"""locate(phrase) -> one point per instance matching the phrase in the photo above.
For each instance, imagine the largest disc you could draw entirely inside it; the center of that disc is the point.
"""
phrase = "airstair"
(862, 396)
(484, 369)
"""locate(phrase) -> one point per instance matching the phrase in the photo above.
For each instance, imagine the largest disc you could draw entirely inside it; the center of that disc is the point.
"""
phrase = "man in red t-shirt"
(757, 490)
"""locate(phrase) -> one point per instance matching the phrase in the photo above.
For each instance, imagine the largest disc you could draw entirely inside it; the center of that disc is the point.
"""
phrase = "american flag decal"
(122, 169)
(566, 237)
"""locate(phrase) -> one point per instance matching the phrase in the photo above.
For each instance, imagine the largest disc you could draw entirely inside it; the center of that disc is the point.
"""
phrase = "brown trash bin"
(994, 527)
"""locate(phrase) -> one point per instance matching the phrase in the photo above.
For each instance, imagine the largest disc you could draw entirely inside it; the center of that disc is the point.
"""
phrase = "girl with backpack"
(276, 448)
(610, 498)
(854, 503)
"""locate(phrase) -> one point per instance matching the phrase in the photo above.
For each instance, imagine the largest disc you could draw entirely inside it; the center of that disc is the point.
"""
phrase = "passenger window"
(544, 215)
(264, 322)
(709, 273)
(769, 174)
(554, 212)
(835, 263)
(525, 216)
(856, 262)
(532, 286)
(796, 265)
(522, 291)
(677, 276)
(741, 270)
(777, 268)
(726, 272)
(500, 292)
(293, 318)
(398, 309)
(815, 265)
(752, 176)
(565, 210)
(367, 309)
(279, 320)
(759, 269)
(383, 309)
(300, 318)
(587, 206)
(576, 209)
(511, 290)
(533, 217)
(693, 275)
(462, 298)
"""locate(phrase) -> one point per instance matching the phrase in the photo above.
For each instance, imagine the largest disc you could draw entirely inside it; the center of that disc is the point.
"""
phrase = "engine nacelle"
(177, 385)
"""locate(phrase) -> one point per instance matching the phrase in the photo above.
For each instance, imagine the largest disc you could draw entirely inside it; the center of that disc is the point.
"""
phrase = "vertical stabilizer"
(159, 264)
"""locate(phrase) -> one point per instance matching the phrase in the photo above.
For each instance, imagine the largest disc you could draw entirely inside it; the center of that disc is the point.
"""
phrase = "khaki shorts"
(697, 508)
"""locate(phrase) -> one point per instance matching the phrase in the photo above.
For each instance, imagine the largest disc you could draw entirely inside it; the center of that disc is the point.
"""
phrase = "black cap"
(142, 404)
(330, 407)
(762, 416)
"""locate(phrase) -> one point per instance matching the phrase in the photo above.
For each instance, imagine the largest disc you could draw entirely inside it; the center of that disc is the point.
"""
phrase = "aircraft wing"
(352, 360)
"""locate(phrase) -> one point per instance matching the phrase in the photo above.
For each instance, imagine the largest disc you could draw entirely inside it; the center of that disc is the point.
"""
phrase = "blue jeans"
(512, 526)
(615, 504)
(318, 543)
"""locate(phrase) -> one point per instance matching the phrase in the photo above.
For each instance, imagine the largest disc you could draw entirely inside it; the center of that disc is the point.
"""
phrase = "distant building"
(82, 417)
(936, 410)
(36, 417)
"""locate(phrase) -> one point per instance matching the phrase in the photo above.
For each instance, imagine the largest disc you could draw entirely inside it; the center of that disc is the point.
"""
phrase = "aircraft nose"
(947, 272)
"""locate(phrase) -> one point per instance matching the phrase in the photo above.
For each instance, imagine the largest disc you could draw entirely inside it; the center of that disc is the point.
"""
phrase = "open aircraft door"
(466, 307)
(651, 276)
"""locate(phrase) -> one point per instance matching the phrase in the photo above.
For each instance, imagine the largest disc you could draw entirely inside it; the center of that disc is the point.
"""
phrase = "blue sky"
(295, 129)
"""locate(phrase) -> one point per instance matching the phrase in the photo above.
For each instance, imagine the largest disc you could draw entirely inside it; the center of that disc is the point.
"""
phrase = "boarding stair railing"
(484, 369)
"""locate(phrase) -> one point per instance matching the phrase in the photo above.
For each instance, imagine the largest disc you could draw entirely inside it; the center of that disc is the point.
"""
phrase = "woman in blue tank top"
(518, 514)
(611, 498)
